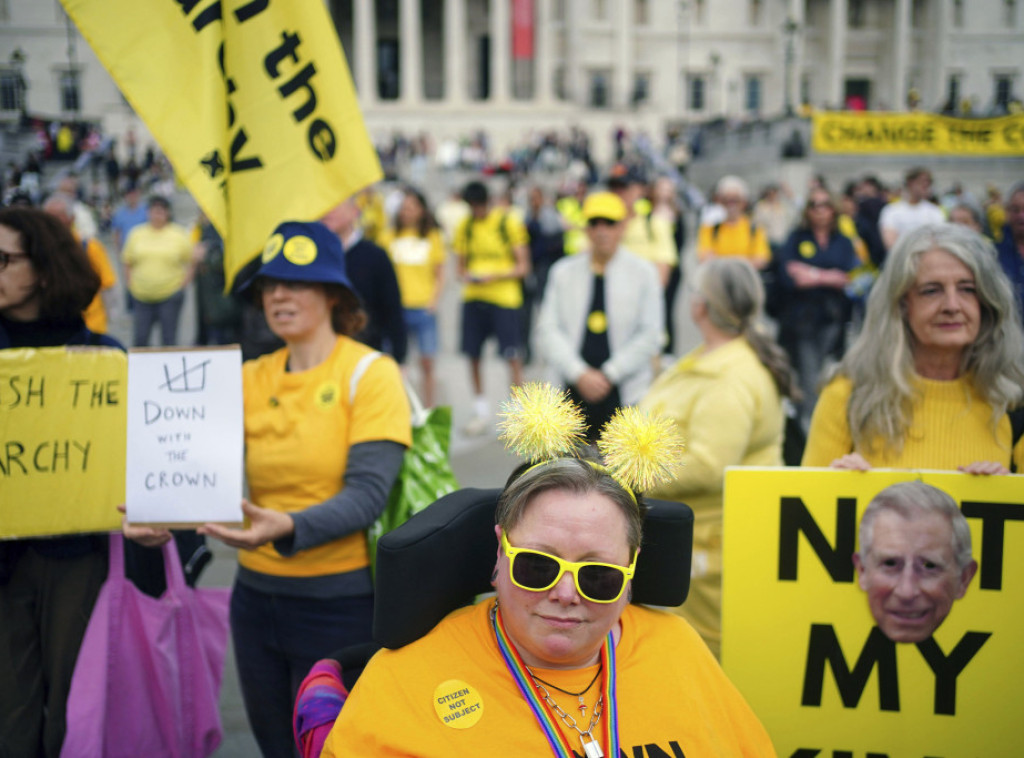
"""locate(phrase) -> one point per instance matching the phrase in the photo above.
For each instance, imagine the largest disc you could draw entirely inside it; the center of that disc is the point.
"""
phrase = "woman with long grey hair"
(937, 369)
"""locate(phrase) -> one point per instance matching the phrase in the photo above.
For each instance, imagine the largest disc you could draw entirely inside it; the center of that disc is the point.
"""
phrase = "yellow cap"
(604, 205)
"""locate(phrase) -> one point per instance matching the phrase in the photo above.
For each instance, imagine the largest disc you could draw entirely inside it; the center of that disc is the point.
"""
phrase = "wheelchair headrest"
(442, 558)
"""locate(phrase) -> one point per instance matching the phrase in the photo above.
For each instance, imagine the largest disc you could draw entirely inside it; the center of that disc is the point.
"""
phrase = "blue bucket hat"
(303, 251)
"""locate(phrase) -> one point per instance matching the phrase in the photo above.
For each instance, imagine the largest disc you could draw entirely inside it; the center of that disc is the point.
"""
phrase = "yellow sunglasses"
(536, 571)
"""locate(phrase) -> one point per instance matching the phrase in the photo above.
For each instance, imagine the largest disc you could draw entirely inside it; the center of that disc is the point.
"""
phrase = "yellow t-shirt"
(95, 314)
(735, 239)
(298, 430)
(416, 260)
(650, 237)
(672, 696)
(952, 427)
(487, 251)
(159, 259)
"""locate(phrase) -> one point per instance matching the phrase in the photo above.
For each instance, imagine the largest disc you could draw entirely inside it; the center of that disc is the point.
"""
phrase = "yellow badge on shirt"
(807, 249)
(327, 395)
(597, 322)
(457, 704)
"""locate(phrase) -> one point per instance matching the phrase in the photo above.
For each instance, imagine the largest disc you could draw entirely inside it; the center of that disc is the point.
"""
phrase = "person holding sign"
(326, 426)
(737, 373)
(914, 559)
(559, 662)
(47, 586)
(937, 369)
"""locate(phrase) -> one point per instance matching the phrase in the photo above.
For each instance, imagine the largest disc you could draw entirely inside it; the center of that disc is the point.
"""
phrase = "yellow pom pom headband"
(541, 423)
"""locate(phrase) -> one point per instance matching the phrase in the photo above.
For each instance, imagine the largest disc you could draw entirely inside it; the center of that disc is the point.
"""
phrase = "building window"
(805, 89)
(641, 12)
(919, 14)
(641, 88)
(754, 11)
(70, 100)
(601, 10)
(752, 93)
(953, 93)
(958, 14)
(599, 89)
(697, 87)
(1009, 13)
(1003, 91)
(12, 88)
(855, 14)
(558, 10)
(698, 11)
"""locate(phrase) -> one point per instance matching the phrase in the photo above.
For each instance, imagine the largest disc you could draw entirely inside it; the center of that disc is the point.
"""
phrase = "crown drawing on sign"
(191, 378)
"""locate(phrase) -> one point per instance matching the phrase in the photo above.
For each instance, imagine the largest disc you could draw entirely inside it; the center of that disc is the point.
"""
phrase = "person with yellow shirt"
(559, 662)
(493, 258)
(417, 252)
(327, 423)
(158, 265)
(737, 235)
(937, 372)
(648, 235)
(95, 315)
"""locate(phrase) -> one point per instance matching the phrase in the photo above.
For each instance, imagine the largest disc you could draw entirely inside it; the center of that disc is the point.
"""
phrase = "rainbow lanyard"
(542, 711)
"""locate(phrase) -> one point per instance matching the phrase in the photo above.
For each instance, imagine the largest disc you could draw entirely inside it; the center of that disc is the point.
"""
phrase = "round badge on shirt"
(807, 249)
(597, 322)
(327, 395)
(458, 704)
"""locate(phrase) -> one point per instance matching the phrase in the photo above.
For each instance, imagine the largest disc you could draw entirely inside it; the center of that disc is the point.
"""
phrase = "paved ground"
(477, 461)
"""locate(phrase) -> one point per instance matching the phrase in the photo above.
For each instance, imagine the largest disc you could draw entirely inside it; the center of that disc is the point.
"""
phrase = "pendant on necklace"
(591, 749)
(583, 706)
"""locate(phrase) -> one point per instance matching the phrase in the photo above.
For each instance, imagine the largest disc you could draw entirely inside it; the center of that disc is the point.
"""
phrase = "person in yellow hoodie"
(726, 398)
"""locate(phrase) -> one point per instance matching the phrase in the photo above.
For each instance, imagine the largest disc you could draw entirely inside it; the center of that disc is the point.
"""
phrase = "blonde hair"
(734, 296)
(880, 363)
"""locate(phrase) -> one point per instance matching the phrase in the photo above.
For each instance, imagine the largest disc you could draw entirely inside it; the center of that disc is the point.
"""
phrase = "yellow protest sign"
(252, 102)
(800, 643)
(62, 440)
(903, 133)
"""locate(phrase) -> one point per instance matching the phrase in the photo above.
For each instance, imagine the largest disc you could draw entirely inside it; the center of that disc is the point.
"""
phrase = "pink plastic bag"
(148, 675)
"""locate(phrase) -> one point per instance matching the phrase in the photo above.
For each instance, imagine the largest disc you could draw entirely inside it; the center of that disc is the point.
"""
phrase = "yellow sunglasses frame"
(572, 567)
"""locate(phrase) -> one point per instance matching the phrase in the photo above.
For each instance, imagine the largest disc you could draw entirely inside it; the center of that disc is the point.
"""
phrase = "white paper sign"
(185, 436)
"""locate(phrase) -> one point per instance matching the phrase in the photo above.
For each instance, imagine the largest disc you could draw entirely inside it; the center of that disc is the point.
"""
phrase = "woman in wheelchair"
(559, 661)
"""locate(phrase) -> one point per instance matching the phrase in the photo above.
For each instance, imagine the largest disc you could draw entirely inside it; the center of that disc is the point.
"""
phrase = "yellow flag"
(251, 101)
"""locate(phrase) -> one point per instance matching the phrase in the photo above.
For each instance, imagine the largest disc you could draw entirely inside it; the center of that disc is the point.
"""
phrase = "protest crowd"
(849, 325)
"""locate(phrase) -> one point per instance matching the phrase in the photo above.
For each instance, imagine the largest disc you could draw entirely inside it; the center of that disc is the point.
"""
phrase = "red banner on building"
(522, 29)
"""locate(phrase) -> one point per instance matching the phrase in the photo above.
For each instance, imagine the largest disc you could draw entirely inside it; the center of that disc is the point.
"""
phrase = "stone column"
(542, 69)
(622, 76)
(901, 55)
(799, 17)
(410, 52)
(455, 52)
(938, 68)
(575, 12)
(837, 59)
(501, 49)
(364, 39)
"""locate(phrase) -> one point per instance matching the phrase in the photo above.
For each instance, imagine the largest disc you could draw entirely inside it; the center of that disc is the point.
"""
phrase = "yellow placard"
(62, 440)
(251, 101)
(903, 133)
(800, 643)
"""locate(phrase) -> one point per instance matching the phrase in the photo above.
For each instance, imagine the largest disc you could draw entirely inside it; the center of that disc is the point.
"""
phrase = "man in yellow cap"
(602, 317)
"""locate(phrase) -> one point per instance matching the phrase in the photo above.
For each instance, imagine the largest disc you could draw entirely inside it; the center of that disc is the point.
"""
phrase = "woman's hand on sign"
(146, 536)
(984, 468)
(262, 526)
(852, 462)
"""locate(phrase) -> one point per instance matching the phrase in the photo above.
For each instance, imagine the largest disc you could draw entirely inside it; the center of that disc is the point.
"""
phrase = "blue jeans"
(166, 312)
(277, 640)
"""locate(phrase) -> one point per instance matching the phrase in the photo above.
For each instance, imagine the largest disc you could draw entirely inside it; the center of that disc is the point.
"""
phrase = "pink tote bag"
(149, 671)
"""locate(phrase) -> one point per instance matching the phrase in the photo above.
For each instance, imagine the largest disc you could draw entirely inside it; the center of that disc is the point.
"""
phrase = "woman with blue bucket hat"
(326, 425)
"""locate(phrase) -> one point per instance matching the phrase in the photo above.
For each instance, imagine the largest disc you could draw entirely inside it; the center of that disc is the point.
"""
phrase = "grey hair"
(1015, 189)
(580, 477)
(734, 184)
(913, 499)
(880, 363)
(734, 296)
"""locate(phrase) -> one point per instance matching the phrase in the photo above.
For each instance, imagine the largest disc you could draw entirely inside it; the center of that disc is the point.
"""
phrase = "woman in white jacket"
(601, 321)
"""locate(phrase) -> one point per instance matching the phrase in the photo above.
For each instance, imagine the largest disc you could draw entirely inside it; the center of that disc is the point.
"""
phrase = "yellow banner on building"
(800, 643)
(251, 101)
(903, 133)
(62, 440)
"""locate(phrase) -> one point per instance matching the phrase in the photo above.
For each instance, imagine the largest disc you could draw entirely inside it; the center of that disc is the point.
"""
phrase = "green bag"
(426, 472)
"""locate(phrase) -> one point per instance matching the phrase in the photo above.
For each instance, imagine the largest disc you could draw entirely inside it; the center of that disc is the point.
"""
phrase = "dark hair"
(426, 223)
(915, 173)
(67, 281)
(475, 193)
(155, 200)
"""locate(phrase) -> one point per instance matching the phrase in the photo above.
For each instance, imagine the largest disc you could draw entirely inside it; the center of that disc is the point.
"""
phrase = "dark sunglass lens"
(533, 570)
(601, 582)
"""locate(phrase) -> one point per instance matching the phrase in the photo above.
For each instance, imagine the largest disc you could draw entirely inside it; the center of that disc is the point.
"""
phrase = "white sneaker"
(476, 426)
